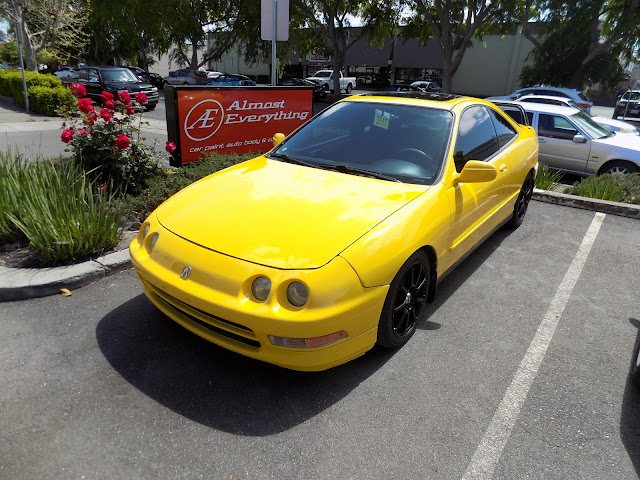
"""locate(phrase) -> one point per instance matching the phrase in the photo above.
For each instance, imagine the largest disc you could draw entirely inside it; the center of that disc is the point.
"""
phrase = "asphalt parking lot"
(520, 371)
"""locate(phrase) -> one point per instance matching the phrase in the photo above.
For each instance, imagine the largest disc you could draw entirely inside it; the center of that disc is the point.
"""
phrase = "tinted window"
(555, 127)
(476, 137)
(515, 114)
(552, 93)
(504, 131)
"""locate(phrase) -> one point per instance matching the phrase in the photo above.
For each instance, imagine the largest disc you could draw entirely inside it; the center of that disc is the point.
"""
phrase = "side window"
(516, 115)
(476, 137)
(504, 131)
(555, 127)
(530, 117)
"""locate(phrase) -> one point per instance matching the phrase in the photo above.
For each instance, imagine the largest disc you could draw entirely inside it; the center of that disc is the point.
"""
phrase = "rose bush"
(106, 141)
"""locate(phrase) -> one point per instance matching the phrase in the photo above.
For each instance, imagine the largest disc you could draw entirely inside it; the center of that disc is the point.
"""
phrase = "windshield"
(325, 73)
(119, 75)
(590, 127)
(634, 96)
(402, 142)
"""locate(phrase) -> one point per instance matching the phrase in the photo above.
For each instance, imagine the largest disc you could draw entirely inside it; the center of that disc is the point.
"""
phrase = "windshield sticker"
(381, 119)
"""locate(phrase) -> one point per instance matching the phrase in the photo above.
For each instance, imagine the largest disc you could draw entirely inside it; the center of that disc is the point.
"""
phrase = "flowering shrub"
(106, 140)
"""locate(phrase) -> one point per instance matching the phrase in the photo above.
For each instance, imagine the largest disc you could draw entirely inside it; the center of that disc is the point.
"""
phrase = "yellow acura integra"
(332, 242)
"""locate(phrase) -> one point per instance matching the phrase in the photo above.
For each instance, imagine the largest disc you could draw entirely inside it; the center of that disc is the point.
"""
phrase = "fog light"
(313, 342)
(297, 294)
(152, 242)
(260, 288)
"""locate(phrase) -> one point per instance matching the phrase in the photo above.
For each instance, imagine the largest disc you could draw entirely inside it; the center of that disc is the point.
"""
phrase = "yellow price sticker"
(381, 119)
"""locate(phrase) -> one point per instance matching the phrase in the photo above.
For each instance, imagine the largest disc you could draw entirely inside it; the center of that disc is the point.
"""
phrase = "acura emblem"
(186, 271)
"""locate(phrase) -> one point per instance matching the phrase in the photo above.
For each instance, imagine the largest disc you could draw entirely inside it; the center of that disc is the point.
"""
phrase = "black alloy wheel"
(522, 203)
(405, 301)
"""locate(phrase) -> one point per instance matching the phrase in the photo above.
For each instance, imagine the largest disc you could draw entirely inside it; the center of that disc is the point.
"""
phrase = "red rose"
(78, 90)
(67, 135)
(124, 98)
(141, 98)
(122, 141)
(130, 109)
(170, 147)
(106, 96)
(110, 104)
(105, 114)
(85, 106)
(91, 118)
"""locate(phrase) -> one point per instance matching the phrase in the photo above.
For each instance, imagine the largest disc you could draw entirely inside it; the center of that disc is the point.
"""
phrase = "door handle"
(503, 168)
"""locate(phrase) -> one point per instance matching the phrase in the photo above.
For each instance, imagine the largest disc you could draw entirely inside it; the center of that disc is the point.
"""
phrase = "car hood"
(282, 215)
(130, 86)
(620, 141)
(615, 124)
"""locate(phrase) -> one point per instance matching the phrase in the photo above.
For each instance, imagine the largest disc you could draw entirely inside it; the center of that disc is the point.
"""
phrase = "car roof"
(543, 107)
(443, 101)
(549, 97)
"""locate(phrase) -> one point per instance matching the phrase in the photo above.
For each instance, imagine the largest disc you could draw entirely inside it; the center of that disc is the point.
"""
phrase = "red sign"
(237, 120)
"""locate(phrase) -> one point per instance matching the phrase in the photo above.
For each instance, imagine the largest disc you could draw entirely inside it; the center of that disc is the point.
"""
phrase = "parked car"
(156, 79)
(141, 74)
(334, 241)
(186, 76)
(426, 86)
(628, 105)
(318, 91)
(611, 124)
(571, 141)
(324, 78)
(575, 95)
(232, 79)
(402, 88)
(66, 73)
(114, 80)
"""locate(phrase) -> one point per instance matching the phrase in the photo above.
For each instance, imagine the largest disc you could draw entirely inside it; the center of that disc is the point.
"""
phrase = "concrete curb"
(24, 283)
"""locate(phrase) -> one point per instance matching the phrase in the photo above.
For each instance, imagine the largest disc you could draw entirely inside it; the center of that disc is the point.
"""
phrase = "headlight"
(297, 294)
(153, 241)
(260, 288)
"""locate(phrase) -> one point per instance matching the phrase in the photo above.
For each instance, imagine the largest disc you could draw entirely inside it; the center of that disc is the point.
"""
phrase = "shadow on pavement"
(216, 387)
(630, 415)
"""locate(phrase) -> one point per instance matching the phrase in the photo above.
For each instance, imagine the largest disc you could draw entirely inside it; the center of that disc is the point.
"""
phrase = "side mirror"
(277, 139)
(579, 139)
(475, 171)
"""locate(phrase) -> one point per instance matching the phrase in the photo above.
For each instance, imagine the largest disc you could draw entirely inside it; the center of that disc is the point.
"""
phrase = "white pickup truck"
(325, 79)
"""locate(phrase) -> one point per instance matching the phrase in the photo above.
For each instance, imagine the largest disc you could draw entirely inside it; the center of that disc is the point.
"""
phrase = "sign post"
(274, 26)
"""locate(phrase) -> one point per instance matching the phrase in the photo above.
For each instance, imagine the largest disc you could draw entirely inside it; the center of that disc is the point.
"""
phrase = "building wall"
(492, 68)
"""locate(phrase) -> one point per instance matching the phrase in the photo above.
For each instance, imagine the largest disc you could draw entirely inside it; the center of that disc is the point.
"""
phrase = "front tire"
(150, 107)
(348, 90)
(405, 301)
(635, 364)
(618, 167)
(522, 203)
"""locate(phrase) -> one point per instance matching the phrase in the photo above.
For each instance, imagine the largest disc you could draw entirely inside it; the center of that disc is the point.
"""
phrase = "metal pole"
(274, 67)
(24, 81)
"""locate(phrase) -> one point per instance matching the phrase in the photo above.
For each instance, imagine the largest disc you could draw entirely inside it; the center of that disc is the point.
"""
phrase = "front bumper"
(215, 302)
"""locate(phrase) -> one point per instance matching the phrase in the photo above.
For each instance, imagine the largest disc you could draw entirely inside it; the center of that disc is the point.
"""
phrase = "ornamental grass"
(64, 216)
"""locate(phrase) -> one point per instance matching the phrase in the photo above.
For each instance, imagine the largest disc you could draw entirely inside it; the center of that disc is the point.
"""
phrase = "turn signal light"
(313, 342)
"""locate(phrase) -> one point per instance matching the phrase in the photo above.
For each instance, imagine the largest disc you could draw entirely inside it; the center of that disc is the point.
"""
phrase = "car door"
(475, 206)
(557, 146)
(90, 78)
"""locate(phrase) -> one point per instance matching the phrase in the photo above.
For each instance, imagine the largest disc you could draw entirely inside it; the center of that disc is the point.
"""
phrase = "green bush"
(616, 188)
(42, 90)
(47, 100)
(547, 178)
(64, 216)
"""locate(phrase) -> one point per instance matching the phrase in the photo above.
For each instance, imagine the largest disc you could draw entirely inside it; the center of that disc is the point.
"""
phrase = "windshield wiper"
(342, 168)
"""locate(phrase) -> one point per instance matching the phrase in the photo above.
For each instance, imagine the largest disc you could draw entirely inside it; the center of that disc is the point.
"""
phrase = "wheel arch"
(433, 263)
(608, 163)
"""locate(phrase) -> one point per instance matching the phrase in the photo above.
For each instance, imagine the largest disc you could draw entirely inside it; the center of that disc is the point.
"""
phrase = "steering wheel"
(417, 156)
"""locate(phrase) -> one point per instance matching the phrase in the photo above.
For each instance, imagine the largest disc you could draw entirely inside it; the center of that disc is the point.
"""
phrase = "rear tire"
(522, 203)
(404, 305)
(348, 90)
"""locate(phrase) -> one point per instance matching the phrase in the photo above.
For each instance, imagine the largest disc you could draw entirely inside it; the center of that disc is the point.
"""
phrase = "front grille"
(225, 328)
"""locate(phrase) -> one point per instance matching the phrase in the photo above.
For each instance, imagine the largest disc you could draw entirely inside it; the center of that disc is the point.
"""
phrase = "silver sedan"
(571, 141)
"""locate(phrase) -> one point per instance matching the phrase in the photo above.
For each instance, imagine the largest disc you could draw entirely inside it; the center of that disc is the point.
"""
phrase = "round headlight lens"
(145, 230)
(260, 288)
(152, 242)
(297, 294)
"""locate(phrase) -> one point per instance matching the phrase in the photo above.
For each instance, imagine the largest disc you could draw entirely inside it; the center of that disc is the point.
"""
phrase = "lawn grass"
(615, 188)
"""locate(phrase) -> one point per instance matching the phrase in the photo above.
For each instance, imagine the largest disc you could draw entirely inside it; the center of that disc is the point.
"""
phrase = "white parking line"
(486, 457)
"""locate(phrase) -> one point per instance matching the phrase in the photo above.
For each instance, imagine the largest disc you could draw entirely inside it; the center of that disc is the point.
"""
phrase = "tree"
(454, 23)
(579, 43)
(329, 22)
(46, 24)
